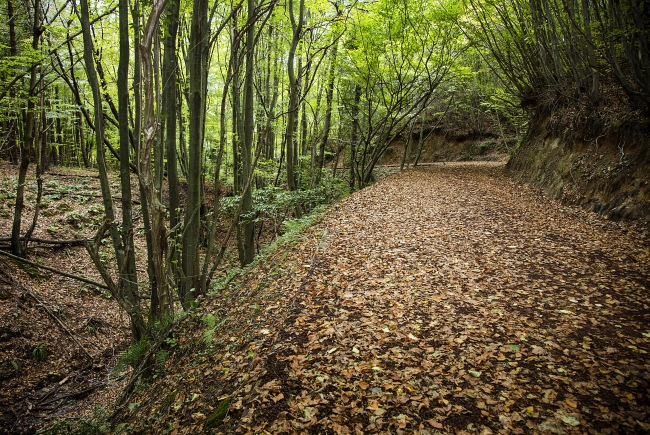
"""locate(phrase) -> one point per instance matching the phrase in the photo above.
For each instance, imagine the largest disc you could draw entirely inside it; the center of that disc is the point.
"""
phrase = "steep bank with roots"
(608, 172)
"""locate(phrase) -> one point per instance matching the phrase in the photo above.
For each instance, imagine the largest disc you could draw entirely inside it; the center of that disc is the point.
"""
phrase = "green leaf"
(474, 373)
(570, 420)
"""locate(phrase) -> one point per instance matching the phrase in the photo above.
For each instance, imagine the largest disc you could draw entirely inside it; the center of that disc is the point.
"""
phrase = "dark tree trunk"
(125, 157)
(29, 138)
(128, 300)
(168, 115)
(197, 66)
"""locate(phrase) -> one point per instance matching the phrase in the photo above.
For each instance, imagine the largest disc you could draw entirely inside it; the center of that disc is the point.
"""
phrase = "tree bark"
(197, 65)
(29, 138)
(129, 300)
(161, 300)
(329, 98)
(168, 115)
(294, 97)
(247, 200)
(125, 158)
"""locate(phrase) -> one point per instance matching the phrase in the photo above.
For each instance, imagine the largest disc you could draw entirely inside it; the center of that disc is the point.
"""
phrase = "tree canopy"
(284, 105)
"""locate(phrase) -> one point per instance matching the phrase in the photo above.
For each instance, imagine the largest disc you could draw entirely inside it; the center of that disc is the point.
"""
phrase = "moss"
(216, 418)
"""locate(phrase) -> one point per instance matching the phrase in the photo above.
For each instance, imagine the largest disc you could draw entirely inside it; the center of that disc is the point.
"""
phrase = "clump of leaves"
(76, 219)
(212, 324)
(63, 207)
(94, 424)
(40, 352)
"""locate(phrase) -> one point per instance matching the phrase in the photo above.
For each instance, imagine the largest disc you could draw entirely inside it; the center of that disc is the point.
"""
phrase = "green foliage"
(161, 358)
(40, 352)
(133, 356)
(212, 325)
(94, 424)
(216, 418)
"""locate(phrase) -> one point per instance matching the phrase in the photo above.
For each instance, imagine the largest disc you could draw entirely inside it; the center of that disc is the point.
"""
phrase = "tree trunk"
(354, 138)
(247, 200)
(12, 143)
(329, 98)
(28, 139)
(197, 65)
(161, 300)
(294, 97)
(168, 114)
(125, 158)
(137, 142)
(130, 301)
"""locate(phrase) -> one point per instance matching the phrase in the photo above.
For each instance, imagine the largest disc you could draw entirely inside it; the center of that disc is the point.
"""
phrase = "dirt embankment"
(608, 173)
(440, 147)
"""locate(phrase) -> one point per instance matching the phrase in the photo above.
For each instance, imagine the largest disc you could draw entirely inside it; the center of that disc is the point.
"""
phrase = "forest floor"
(445, 299)
(59, 337)
(442, 299)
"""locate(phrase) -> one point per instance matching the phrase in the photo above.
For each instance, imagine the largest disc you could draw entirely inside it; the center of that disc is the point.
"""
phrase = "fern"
(208, 336)
(133, 356)
(165, 322)
(161, 358)
(210, 320)
(212, 324)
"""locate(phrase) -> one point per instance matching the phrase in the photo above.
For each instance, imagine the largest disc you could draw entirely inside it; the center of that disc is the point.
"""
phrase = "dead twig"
(51, 269)
(73, 242)
(57, 320)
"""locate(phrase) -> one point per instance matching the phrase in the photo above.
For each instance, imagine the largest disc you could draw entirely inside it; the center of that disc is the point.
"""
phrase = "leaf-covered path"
(450, 296)
(448, 299)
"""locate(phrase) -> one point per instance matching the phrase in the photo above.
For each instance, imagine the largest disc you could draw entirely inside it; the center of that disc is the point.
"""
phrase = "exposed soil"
(446, 299)
(440, 147)
(606, 172)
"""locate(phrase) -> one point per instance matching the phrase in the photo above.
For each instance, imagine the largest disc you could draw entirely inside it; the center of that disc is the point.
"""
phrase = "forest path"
(449, 299)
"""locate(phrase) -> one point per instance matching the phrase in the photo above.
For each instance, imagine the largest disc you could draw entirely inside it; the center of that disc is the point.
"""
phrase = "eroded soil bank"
(608, 173)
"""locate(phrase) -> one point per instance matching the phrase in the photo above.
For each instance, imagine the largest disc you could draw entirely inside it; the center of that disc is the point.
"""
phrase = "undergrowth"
(94, 424)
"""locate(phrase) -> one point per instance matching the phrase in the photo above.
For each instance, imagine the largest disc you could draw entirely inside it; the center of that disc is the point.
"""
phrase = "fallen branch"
(72, 174)
(57, 320)
(74, 395)
(72, 242)
(51, 269)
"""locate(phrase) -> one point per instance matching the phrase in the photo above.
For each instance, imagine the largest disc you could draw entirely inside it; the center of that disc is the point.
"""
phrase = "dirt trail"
(451, 296)
(448, 299)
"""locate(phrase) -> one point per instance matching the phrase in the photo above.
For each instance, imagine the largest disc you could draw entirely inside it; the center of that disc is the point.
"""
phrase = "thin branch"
(51, 269)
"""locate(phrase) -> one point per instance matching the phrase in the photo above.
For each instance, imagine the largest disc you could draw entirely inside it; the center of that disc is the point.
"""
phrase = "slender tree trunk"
(591, 54)
(168, 112)
(160, 295)
(247, 200)
(131, 278)
(159, 149)
(82, 140)
(294, 96)
(329, 98)
(12, 143)
(237, 131)
(197, 65)
(29, 138)
(303, 113)
(354, 138)
(137, 140)
(420, 139)
(130, 301)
